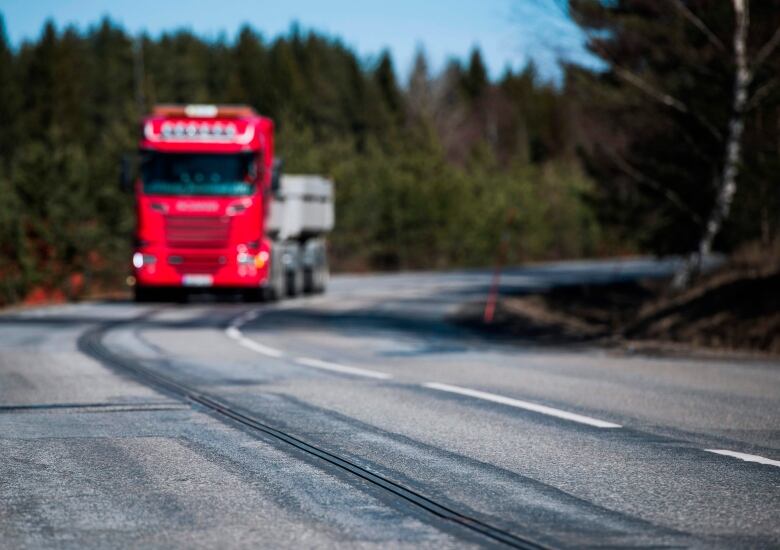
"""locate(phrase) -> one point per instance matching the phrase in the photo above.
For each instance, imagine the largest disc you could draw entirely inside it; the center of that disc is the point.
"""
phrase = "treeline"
(433, 172)
(672, 145)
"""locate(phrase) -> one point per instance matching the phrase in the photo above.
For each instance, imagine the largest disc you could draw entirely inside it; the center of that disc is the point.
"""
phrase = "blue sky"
(509, 32)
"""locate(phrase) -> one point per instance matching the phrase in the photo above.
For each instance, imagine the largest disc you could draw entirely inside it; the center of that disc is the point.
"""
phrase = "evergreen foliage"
(475, 80)
(655, 122)
(428, 174)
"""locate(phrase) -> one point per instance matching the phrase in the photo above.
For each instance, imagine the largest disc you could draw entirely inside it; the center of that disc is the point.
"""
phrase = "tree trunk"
(728, 180)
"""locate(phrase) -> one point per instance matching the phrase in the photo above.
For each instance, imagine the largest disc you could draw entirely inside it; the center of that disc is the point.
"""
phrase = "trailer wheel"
(322, 282)
(274, 289)
(315, 279)
(275, 286)
(294, 282)
(310, 280)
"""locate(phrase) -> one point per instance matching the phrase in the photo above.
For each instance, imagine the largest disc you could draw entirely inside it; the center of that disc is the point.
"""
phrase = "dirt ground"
(736, 308)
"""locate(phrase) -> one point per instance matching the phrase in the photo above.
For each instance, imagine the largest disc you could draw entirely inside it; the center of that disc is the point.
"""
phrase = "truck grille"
(197, 231)
(197, 263)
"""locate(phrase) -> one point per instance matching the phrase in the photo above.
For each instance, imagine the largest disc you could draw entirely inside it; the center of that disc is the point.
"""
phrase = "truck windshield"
(198, 174)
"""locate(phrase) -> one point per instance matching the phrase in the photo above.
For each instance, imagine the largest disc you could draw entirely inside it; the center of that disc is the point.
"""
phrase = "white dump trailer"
(301, 215)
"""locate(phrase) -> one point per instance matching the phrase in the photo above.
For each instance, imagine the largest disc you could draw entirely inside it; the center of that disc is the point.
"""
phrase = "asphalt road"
(364, 418)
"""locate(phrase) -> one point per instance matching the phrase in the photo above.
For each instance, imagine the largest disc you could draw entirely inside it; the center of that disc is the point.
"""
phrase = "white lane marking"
(238, 322)
(745, 457)
(234, 332)
(317, 364)
(260, 348)
(236, 335)
(523, 405)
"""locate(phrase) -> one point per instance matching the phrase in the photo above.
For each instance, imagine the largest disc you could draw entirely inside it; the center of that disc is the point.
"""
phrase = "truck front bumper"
(199, 269)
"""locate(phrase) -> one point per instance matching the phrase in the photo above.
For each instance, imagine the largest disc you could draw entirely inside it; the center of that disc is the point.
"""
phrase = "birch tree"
(727, 186)
(695, 70)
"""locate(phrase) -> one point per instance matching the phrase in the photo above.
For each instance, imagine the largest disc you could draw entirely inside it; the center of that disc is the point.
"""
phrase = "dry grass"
(735, 308)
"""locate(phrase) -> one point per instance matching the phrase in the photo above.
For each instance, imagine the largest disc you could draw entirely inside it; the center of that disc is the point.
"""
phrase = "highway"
(365, 418)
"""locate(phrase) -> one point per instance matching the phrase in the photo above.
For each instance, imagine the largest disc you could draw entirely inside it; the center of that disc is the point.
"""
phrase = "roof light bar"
(199, 131)
(204, 111)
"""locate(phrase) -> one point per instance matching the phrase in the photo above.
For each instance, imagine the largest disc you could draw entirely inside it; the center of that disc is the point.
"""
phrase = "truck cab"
(205, 192)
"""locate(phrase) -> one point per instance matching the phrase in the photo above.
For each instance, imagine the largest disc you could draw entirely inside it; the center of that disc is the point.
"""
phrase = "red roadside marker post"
(492, 298)
(490, 304)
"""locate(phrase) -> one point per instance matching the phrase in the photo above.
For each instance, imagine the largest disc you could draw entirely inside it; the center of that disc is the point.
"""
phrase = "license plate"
(197, 280)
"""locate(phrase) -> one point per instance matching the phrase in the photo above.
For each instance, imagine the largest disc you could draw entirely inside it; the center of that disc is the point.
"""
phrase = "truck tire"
(315, 279)
(274, 288)
(294, 282)
(315, 265)
(269, 294)
(309, 280)
(324, 276)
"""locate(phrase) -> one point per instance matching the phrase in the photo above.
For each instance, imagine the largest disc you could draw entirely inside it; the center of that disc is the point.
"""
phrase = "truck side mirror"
(276, 175)
(127, 172)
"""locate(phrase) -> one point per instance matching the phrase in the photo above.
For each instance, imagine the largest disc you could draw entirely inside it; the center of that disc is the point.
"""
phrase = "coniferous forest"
(433, 170)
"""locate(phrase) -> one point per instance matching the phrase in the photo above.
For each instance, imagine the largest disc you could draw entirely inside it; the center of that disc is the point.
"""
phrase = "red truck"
(214, 211)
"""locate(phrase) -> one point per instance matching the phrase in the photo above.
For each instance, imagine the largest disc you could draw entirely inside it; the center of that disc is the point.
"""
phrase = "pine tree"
(475, 81)
(419, 95)
(10, 100)
(384, 76)
(289, 92)
(249, 81)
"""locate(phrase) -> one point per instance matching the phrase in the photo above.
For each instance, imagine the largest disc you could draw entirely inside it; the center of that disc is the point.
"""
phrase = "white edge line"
(260, 348)
(233, 333)
(523, 405)
(325, 365)
(745, 457)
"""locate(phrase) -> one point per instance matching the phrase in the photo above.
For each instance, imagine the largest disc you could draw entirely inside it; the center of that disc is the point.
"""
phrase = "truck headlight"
(140, 260)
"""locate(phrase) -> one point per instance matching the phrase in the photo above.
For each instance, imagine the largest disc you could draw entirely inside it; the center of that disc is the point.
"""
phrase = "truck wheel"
(269, 294)
(310, 280)
(324, 275)
(274, 287)
(278, 288)
(319, 279)
(294, 282)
